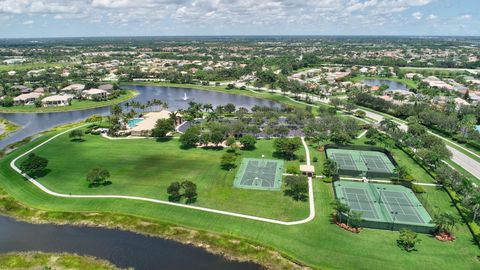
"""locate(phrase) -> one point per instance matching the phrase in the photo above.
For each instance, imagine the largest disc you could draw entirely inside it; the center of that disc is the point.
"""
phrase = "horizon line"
(246, 35)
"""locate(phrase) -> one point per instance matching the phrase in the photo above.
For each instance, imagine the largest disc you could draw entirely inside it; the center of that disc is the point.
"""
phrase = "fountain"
(185, 97)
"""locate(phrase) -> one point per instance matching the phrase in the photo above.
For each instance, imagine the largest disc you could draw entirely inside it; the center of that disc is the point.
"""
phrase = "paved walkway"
(110, 196)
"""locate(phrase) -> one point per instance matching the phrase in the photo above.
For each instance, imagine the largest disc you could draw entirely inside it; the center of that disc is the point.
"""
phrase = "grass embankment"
(440, 71)
(40, 260)
(147, 167)
(409, 83)
(319, 243)
(75, 106)
(7, 127)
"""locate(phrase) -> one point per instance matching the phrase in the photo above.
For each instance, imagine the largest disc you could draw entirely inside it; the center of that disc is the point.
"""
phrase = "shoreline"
(130, 95)
(53, 260)
(8, 127)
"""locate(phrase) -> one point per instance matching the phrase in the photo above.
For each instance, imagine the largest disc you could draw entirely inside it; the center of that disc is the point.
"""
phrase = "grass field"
(29, 66)
(146, 168)
(319, 243)
(76, 105)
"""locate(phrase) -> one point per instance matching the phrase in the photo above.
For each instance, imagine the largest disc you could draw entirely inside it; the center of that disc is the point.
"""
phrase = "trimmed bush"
(292, 169)
(327, 179)
(418, 189)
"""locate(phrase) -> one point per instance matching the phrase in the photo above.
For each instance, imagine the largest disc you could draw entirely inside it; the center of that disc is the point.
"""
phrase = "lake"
(124, 249)
(392, 85)
(34, 123)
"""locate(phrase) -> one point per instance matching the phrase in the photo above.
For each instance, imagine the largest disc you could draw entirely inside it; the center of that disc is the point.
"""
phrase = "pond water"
(34, 123)
(392, 85)
(124, 249)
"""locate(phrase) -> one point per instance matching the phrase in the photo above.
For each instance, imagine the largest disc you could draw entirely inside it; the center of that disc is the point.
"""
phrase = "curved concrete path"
(56, 194)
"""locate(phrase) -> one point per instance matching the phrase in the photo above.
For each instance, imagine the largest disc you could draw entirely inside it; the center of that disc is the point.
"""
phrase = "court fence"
(360, 174)
(392, 224)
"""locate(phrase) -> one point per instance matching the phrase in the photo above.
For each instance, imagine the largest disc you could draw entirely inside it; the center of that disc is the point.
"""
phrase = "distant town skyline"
(59, 18)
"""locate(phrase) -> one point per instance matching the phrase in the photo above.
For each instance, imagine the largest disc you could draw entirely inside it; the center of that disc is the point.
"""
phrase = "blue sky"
(59, 18)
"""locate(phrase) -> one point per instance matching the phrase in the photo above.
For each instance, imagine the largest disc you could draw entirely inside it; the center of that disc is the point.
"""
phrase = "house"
(57, 100)
(433, 81)
(459, 102)
(40, 90)
(22, 88)
(96, 94)
(106, 87)
(28, 98)
(400, 92)
(74, 88)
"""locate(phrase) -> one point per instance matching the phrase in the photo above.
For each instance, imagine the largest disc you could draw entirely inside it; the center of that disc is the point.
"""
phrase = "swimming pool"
(134, 122)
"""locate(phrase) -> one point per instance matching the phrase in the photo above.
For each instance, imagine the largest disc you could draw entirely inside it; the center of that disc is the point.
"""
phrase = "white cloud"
(465, 17)
(28, 22)
(417, 15)
(225, 15)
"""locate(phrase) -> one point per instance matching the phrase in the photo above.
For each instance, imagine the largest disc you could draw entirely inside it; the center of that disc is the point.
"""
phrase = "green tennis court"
(362, 162)
(265, 174)
(386, 205)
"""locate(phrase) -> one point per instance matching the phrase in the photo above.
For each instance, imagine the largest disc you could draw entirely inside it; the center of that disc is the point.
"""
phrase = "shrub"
(292, 169)
(248, 141)
(327, 179)
(227, 161)
(297, 187)
(418, 189)
(408, 239)
(94, 118)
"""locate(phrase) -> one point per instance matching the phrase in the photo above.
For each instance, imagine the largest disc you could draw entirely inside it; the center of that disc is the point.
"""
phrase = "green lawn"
(146, 168)
(76, 105)
(29, 66)
(319, 243)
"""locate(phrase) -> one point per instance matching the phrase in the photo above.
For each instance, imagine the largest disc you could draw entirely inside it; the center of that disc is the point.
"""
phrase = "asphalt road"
(469, 164)
(466, 162)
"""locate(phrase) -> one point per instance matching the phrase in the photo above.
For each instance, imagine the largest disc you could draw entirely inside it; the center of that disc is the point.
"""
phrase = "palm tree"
(445, 223)
(355, 217)
(164, 105)
(388, 125)
(173, 116)
(475, 207)
(340, 208)
(207, 107)
(212, 116)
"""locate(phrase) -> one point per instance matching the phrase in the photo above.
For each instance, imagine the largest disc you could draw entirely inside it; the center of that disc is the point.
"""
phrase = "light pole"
(394, 217)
